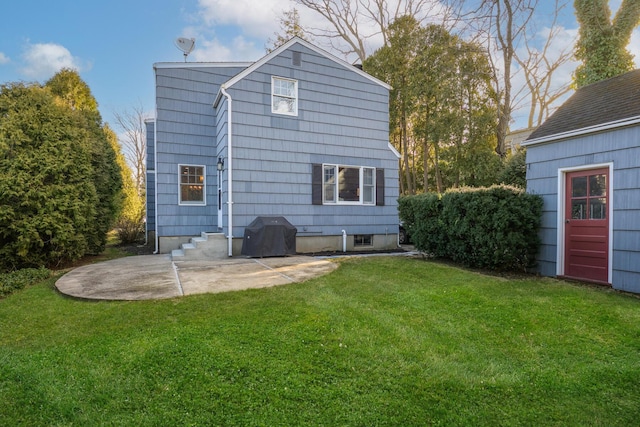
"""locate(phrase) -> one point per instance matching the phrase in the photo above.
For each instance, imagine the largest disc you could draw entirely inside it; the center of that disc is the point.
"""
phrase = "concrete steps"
(208, 246)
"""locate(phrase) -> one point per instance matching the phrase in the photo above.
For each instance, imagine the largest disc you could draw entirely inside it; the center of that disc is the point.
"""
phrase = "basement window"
(362, 240)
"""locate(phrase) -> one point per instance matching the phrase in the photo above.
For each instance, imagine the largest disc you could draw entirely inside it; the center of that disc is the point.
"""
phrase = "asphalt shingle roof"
(602, 102)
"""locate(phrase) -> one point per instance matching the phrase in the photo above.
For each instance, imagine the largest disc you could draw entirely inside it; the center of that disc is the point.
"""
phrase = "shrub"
(129, 230)
(20, 279)
(494, 228)
(515, 169)
(421, 215)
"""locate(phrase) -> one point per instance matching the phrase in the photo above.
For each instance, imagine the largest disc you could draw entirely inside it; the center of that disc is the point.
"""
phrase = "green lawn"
(381, 341)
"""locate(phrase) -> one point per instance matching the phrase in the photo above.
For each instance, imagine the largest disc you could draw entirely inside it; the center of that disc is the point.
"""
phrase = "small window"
(192, 185)
(363, 240)
(284, 96)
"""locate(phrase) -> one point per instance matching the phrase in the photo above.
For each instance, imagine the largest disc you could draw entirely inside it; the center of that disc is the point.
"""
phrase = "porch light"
(220, 164)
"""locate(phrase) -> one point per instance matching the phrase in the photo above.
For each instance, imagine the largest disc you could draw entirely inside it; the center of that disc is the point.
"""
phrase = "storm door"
(587, 225)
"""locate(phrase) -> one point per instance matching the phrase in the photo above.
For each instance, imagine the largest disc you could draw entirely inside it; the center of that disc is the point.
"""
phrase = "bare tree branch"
(134, 142)
(539, 67)
(352, 23)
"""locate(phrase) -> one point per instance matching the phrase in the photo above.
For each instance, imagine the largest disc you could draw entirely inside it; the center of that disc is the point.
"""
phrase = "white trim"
(561, 202)
(294, 97)
(171, 65)
(393, 150)
(629, 121)
(204, 185)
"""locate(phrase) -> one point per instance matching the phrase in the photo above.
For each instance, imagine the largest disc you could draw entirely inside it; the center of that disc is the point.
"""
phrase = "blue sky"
(114, 44)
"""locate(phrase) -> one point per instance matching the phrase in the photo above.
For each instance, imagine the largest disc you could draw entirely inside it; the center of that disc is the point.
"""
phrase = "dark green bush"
(58, 180)
(20, 279)
(494, 228)
(421, 215)
(515, 169)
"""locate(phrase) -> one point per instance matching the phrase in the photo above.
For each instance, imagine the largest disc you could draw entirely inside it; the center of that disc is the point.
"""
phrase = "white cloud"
(4, 59)
(42, 60)
(256, 19)
(254, 23)
(239, 49)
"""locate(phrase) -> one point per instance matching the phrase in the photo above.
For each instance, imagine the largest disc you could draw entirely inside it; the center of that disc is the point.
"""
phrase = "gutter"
(229, 168)
(629, 121)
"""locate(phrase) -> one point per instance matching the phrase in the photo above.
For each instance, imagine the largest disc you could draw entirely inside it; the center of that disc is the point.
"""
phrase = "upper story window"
(349, 185)
(192, 185)
(284, 96)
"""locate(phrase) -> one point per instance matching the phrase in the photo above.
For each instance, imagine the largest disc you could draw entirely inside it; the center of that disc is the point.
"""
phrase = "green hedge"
(494, 228)
(20, 279)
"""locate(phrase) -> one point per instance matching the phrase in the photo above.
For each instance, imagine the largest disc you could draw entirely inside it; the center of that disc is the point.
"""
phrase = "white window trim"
(204, 186)
(295, 96)
(361, 185)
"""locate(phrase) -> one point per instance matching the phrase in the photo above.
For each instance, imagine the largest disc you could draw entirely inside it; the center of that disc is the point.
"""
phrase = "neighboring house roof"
(514, 139)
(599, 106)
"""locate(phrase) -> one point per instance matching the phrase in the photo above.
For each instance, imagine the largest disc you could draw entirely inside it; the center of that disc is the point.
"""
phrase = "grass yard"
(381, 341)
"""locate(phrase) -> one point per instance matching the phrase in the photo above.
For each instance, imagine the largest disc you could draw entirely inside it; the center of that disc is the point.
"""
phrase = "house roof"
(158, 65)
(602, 105)
(308, 45)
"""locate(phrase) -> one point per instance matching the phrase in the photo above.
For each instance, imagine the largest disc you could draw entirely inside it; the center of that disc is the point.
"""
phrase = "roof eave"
(201, 64)
(629, 121)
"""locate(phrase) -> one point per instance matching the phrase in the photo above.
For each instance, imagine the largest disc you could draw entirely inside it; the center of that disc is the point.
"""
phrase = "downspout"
(229, 172)
(156, 236)
(155, 186)
(344, 241)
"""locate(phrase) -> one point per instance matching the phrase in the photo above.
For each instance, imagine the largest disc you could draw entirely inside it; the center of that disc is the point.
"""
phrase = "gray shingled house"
(585, 162)
(299, 134)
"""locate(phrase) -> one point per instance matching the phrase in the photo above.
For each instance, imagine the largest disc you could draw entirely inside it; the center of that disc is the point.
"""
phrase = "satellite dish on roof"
(185, 45)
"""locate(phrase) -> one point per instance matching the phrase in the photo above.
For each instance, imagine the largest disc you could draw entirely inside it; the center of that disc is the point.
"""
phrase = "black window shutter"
(380, 187)
(316, 184)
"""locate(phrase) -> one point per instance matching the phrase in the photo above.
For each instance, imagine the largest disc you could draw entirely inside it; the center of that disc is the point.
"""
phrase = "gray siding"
(620, 147)
(186, 134)
(342, 119)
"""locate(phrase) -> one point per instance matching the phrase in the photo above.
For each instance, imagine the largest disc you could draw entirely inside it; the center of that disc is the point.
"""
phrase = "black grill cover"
(269, 236)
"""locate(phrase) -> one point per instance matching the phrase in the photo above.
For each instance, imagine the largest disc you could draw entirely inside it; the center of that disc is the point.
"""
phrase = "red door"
(587, 225)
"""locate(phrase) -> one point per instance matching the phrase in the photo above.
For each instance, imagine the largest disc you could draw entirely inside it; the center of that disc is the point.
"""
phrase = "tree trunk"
(425, 165)
(405, 154)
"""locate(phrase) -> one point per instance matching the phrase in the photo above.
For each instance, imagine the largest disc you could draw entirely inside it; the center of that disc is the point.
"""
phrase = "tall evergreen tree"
(59, 181)
(48, 201)
(72, 91)
(442, 116)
